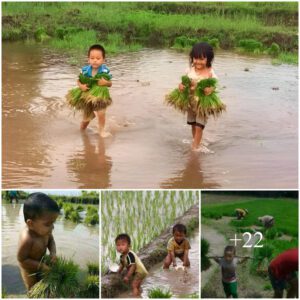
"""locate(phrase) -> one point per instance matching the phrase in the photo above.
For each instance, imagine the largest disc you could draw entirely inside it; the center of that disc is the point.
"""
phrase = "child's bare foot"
(105, 134)
(202, 149)
(84, 125)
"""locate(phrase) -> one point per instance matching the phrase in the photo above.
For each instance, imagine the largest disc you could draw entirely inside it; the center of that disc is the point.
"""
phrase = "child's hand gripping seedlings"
(208, 102)
(179, 98)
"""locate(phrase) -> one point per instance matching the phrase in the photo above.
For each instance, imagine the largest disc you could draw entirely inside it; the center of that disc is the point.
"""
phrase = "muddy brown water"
(254, 143)
(179, 283)
(75, 241)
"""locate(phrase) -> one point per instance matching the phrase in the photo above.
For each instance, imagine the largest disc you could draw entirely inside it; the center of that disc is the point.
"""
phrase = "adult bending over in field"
(241, 213)
(267, 221)
(283, 274)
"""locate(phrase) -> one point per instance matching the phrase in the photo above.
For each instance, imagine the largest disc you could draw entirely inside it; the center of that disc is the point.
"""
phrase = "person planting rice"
(241, 213)
(92, 95)
(178, 246)
(196, 94)
(228, 264)
(267, 221)
(40, 213)
(136, 271)
(283, 274)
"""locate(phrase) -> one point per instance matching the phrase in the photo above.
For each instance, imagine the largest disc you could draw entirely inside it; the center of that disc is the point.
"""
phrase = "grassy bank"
(259, 28)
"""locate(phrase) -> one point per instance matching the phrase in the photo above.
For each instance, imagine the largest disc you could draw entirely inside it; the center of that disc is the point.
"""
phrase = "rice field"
(141, 214)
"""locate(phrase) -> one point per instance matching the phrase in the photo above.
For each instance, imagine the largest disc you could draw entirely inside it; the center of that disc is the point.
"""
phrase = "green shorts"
(230, 289)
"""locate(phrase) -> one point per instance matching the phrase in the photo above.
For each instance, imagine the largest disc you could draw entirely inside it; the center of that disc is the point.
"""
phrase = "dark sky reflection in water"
(254, 143)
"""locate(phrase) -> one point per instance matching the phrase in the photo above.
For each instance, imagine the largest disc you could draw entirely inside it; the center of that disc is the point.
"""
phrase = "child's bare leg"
(197, 137)
(167, 261)
(28, 279)
(100, 114)
(292, 291)
(136, 285)
(84, 124)
(187, 263)
(193, 131)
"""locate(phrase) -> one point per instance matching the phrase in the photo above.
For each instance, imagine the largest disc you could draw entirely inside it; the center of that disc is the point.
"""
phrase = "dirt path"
(218, 233)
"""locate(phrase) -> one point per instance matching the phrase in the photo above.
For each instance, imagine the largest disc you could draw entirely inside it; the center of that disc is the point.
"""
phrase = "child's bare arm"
(83, 87)
(186, 258)
(52, 248)
(121, 267)
(172, 253)
(104, 82)
(130, 272)
(24, 259)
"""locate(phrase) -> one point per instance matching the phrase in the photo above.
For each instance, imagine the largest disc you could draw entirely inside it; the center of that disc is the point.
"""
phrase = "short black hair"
(229, 249)
(97, 47)
(202, 50)
(123, 236)
(38, 204)
(179, 228)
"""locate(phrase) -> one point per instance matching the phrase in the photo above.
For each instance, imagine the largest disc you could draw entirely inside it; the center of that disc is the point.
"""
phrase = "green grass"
(205, 262)
(285, 212)
(159, 293)
(123, 27)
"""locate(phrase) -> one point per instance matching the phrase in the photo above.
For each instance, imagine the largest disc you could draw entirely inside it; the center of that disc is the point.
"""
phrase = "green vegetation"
(205, 262)
(61, 281)
(72, 212)
(159, 293)
(254, 27)
(143, 215)
(285, 212)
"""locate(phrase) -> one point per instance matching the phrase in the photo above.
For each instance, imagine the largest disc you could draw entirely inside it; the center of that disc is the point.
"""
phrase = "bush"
(274, 50)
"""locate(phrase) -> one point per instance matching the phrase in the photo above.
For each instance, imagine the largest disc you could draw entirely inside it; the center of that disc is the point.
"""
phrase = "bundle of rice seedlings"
(180, 100)
(208, 105)
(159, 293)
(96, 98)
(93, 268)
(92, 209)
(68, 209)
(92, 219)
(90, 288)
(74, 216)
(79, 208)
(61, 281)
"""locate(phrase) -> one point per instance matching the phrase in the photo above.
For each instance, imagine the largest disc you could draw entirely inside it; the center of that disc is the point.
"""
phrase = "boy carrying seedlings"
(136, 271)
(178, 246)
(228, 264)
(283, 273)
(40, 213)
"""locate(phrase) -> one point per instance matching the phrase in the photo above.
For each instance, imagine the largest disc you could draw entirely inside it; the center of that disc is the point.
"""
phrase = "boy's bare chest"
(39, 247)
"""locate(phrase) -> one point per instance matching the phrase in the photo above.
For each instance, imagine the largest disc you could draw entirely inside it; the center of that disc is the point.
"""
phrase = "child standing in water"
(201, 57)
(96, 59)
(136, 271)
(228, 264)
(40, 213)
(178, 246)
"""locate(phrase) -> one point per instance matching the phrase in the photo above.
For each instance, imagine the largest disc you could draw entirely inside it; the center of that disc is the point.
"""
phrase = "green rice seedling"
(97, 97)
(208, 105)
(250, 45)
(272, 233)
(205, 262)
(92, 219)
(79, 208)
(4, 293)
(60, 203)
(90, 288)
(261, 258)
(61, 281)
(93, 268)
(274, 50)
(159, 293)
(68, 209)
(91, 209)
(180, 99)
(75, 217)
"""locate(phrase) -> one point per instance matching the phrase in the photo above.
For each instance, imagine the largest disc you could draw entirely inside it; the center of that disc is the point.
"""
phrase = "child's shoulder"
(25, 236)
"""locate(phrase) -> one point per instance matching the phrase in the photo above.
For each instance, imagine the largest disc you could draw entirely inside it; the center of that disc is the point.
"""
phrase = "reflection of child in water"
(40, 212)
(136, 271)
(228, 264)
(178, 246)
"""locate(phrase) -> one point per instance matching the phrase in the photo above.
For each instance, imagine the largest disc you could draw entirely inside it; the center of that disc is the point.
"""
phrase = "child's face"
(228, 256)
(122, 246)
(43, 225)
(200, 63)
(178, 236)
(96, 58)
